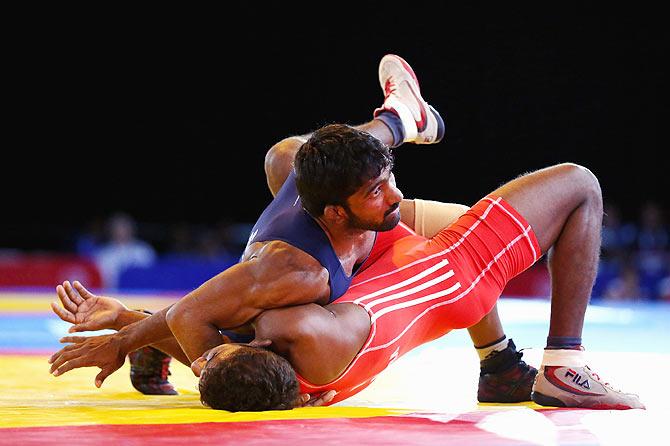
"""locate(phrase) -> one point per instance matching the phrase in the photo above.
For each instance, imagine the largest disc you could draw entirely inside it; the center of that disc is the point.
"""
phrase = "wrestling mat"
(426, 397)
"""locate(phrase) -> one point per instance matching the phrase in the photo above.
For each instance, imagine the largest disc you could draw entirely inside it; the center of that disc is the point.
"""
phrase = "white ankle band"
(498, 347)
(564, 358)
(405, 115)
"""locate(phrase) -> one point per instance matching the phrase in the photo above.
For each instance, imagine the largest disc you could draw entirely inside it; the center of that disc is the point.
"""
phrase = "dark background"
(169, 118)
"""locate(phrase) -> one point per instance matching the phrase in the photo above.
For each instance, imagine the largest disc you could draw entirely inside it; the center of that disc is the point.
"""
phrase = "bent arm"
(238, 295)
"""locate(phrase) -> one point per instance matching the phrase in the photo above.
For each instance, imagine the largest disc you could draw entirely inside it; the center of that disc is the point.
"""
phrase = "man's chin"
(390, 222)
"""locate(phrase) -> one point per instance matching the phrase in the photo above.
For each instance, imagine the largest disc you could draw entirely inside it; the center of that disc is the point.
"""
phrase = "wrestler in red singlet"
(417, 290)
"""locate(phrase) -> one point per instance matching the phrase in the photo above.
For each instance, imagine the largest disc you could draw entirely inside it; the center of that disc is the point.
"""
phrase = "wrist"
(128, 339)
(128, 316)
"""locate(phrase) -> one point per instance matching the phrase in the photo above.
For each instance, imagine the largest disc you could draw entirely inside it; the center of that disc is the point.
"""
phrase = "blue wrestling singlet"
(286, 220)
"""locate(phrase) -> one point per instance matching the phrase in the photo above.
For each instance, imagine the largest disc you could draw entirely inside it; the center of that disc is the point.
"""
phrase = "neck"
(346, 240)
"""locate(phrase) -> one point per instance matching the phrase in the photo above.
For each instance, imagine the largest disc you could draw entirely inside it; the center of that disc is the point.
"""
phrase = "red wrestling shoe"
(149, 371)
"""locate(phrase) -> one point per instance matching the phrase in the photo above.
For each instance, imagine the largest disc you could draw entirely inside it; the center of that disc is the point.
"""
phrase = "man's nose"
(394, 194)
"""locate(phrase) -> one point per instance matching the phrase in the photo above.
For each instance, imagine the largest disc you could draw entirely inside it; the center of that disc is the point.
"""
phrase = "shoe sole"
(544, 400)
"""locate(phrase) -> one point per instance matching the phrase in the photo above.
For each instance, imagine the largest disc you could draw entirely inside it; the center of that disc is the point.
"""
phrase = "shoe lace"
(389, 88)
(597, 378)
(522, 363)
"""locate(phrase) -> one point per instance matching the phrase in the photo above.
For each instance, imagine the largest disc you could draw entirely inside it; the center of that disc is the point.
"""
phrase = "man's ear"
(335, 214)
(260, 343)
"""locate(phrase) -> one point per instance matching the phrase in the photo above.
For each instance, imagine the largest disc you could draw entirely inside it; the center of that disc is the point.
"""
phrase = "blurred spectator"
(618, 237)
(664, 289)
(89, 241)
(122, 250)
(210, 246)
(618, 240)
(180, 240)
(635, 260)
(653, 233)
(653, 245)
(626, 286)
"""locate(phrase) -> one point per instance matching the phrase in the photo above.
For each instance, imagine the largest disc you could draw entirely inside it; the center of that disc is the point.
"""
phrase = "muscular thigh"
(546, 197)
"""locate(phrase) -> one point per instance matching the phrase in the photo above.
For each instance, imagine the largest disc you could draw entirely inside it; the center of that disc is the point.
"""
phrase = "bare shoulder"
(279, 254)
(296, 276)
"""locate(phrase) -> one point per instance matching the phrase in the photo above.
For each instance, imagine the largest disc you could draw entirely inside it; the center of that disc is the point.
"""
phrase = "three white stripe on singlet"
(369, 306)
(441, 264)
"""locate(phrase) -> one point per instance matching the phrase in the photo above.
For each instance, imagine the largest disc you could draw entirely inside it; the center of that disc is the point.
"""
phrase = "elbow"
(178, 317)
(171, 317)
(279, 162)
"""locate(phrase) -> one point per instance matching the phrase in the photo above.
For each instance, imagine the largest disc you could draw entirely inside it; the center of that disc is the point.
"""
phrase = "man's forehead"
(369, 185)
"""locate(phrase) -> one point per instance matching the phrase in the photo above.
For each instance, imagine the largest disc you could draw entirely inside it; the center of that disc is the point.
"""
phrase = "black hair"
(334, 163)
(250, 379)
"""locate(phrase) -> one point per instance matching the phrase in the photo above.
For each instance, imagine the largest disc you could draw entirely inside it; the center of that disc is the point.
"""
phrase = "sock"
(394, 124)
(498, 361)
(564, 343)
(497, 345)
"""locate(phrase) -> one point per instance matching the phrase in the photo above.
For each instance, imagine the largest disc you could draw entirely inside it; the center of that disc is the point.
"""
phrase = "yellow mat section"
(437, 381)
(32, 397)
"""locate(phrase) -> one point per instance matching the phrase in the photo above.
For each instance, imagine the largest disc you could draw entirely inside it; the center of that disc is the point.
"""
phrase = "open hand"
(102, 351)
(85, 310)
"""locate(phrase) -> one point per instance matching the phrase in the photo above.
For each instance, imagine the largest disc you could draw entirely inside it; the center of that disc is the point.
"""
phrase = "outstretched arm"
(227, 301)
(108, 352)
(89, 312)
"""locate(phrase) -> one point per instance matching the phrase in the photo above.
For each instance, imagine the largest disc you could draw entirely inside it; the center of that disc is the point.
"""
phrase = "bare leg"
(563, 205)
(488, 330)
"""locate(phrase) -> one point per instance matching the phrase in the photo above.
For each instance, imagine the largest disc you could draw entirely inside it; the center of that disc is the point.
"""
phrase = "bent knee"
(279, 162)
(586, 179)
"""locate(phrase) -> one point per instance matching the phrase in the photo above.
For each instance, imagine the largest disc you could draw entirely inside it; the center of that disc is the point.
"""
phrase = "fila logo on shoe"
(577, 379)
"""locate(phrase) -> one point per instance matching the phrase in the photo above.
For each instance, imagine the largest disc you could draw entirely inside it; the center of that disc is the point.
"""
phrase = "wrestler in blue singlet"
(286, 220)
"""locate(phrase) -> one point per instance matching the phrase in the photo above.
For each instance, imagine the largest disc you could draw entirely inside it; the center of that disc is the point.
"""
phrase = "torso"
(284, 223)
